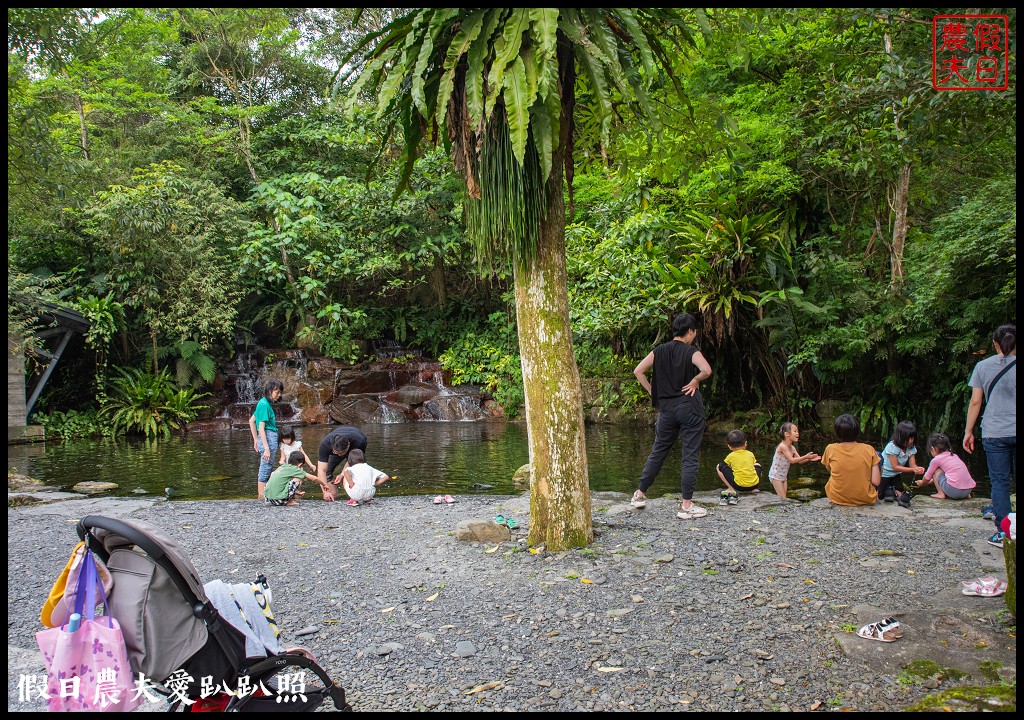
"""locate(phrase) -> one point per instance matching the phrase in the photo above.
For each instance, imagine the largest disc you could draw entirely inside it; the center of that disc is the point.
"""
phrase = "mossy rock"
(803, 482)
(930, 668)
(1010, 555)
(16, 482)
(521, 477)
(21, 500)
(805, 494)
(988, 698)
(90, 487)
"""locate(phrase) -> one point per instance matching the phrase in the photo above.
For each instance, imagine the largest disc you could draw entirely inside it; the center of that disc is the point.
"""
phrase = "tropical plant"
(192, 365)
(73, 424)
(140, 402)
(500, 85)
(486, 356)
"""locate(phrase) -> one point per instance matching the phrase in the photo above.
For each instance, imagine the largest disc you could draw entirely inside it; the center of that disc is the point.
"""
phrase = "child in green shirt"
(285, 482)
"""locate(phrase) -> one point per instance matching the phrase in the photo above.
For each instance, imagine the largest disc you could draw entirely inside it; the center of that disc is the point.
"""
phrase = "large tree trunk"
(559, 490)
(900, 225)
(559, 482)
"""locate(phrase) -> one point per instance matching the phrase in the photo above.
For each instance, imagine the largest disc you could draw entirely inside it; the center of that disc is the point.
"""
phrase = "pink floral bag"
(87, 669)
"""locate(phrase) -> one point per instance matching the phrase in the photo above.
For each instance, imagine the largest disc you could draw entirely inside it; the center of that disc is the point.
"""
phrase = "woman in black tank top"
(679, 368)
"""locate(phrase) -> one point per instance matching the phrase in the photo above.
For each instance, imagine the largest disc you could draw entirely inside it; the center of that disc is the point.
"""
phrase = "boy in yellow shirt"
(740, 471)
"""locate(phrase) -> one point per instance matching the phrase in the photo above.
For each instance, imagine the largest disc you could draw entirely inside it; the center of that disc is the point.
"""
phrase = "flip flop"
(352, 503)
(877, 631)
(511, 523)
(449, 499)
(439, 500)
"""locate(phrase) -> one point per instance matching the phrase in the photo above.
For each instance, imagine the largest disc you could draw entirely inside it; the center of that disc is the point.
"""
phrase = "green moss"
(990, 670)
(928, 668)
(21, 500)
(999, 698)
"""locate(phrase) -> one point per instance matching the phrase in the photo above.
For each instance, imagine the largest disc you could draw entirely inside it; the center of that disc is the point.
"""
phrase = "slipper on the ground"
(499, 520)
(449, 499)
(511, 523)
(439, 500)
(877, 631)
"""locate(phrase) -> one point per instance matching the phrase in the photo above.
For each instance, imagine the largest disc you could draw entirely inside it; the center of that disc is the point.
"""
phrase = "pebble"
(625, 641)
(464, 648)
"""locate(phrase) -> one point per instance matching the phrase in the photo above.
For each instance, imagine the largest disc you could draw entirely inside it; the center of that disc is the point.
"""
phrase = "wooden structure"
(61, 324)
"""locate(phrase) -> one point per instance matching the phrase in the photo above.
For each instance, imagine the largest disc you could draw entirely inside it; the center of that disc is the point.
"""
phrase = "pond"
(425, 458)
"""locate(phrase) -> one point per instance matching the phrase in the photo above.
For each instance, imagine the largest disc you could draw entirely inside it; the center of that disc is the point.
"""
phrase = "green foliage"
(181, 178)
(488, 80)
(140, 402)
(487, 356)
(73, 424)
(28, 297)
(342, 326)
(168, 235)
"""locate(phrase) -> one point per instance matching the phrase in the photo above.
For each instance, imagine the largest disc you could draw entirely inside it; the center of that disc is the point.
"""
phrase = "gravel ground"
(749, 608)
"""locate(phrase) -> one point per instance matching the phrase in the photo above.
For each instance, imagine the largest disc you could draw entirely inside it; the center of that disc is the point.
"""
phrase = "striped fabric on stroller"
(204, 653)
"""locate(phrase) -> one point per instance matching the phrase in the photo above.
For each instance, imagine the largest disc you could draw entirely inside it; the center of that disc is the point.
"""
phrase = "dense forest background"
(191, 181)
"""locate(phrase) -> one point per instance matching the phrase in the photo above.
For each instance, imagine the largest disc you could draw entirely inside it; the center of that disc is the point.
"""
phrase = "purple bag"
(88, 669)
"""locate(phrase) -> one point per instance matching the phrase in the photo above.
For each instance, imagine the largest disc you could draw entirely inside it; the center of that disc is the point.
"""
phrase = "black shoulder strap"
(997, 378)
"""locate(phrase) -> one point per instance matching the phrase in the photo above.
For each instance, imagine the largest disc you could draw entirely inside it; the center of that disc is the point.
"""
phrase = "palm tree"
(499, 85)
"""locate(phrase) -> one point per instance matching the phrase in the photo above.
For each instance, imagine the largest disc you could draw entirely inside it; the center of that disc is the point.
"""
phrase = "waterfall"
(399, 388)
(247, 374)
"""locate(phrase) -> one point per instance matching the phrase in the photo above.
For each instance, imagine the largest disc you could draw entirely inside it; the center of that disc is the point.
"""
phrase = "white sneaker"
(694, 511)
(639, 501)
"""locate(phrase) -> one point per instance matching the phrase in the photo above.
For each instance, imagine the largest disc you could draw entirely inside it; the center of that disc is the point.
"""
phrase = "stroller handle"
(126, 531)
(150, 546)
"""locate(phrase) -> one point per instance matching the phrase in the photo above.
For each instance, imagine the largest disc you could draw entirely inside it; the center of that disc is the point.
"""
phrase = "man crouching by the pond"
(333, 451)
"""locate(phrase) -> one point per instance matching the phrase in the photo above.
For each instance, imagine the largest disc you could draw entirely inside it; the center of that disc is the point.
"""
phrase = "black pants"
(730, 477)
(685, 421)
(895, 482)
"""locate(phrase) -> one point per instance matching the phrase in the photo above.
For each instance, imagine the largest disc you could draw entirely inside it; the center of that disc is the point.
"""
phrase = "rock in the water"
(805, 494)
(482, 531)
(90, 487)
(521, 477)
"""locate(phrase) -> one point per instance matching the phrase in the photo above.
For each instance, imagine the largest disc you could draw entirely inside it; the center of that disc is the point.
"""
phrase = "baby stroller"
(175, 635)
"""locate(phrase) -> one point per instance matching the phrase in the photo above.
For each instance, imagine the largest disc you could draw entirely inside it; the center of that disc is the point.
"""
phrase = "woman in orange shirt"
(853, 466)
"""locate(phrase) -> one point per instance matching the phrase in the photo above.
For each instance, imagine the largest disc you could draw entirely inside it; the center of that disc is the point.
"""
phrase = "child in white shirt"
(288, 445)
(360, 479)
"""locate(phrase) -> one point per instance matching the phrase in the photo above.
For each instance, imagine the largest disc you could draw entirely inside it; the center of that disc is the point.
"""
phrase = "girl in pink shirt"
(947, 471)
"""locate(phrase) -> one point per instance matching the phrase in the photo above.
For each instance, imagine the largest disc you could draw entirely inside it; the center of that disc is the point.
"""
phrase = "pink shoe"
(449, 499)
(353, 503)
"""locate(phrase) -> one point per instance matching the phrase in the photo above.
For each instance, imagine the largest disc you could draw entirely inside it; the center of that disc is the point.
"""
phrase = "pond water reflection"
(426, 458)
